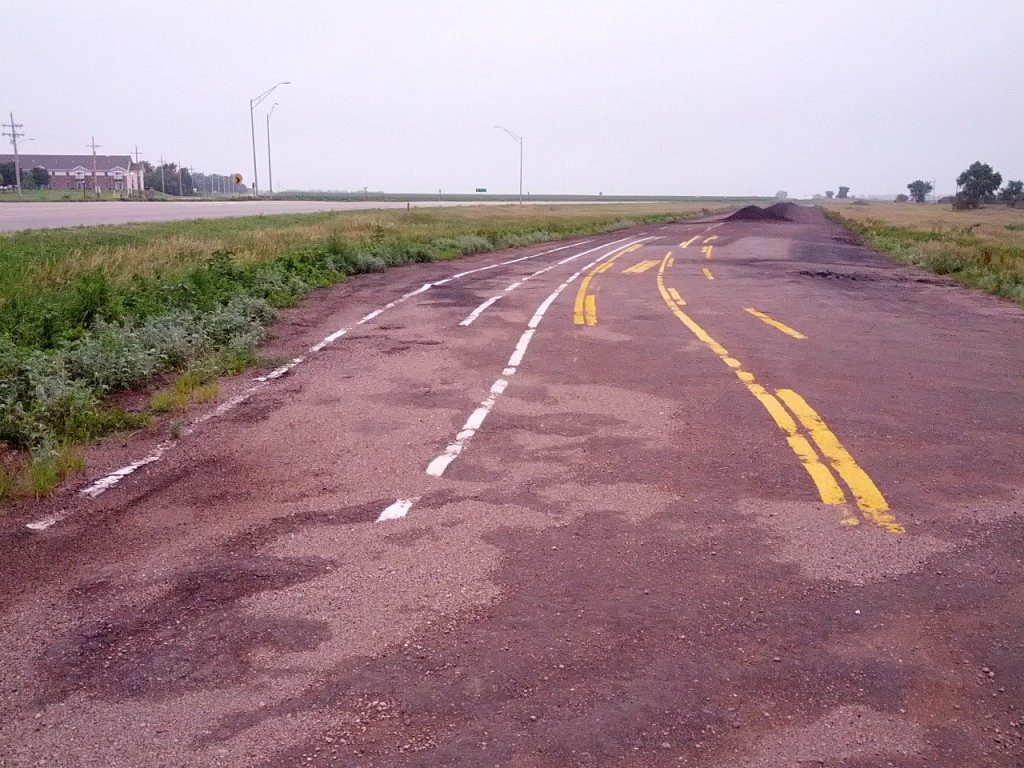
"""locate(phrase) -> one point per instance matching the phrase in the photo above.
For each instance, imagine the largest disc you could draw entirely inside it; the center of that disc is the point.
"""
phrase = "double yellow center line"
(869, 499)
(585, 309)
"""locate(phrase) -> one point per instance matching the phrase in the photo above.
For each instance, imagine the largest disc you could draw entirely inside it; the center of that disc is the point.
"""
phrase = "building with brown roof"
(111, 173)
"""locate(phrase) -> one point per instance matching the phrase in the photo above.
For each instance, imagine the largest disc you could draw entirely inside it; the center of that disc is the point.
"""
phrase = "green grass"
(960, 251)
(168, 401)
(87, 312)
(8, 484)
(78, 196)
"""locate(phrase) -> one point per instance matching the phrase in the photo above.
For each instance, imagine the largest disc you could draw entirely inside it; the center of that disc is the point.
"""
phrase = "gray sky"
(646, 97)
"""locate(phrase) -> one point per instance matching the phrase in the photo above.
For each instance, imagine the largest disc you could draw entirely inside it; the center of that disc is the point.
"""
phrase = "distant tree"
(27, 179)
(919, 190)
(7, 174)
(152, 179)
(829, 194)
(1012, 194)
(844, 192)
(978, 184)
(41, 177)
(901, 198)
(781, 194)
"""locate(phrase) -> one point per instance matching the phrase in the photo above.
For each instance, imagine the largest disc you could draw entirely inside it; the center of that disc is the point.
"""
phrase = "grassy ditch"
(983, 249)
(88, 312)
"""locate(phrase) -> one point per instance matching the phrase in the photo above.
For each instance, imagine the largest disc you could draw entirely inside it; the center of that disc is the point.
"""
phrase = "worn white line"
(110, 480)
(397, 510)
(478, 311)
(437, 467)
(328, 340)
(48, 521)
(510, 261)
(101, 485)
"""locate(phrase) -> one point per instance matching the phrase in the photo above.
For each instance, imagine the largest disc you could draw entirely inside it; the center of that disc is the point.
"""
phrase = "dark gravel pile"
(777, 212)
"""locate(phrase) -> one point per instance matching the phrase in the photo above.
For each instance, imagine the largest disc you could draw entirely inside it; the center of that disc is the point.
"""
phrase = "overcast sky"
(722, 97)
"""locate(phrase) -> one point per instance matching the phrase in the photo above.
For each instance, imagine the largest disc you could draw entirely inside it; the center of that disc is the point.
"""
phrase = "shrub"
(367, 262)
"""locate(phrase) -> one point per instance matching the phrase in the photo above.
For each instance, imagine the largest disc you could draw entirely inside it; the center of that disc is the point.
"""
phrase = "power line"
(15, 135)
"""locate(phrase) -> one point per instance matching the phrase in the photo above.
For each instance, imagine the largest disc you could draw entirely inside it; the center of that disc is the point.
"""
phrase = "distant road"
(18, 216)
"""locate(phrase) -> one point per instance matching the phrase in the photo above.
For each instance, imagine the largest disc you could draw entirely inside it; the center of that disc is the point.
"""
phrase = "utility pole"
(180, 191)
(94, 146)
(163, 186)
(15, 135)
(141, 172)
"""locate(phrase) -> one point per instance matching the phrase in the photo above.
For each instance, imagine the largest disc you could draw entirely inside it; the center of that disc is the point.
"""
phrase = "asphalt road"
(20, 216)
(707, 494)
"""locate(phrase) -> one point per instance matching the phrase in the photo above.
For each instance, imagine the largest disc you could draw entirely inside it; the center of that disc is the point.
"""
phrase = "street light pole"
(519, 139)
(253, 103)
(270, 166)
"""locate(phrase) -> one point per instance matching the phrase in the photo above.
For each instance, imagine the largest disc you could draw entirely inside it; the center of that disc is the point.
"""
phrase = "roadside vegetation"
(982, 248)
(88, 312)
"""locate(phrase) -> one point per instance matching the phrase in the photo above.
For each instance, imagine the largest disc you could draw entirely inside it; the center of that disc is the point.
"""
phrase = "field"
(90, 311)
(983, 248)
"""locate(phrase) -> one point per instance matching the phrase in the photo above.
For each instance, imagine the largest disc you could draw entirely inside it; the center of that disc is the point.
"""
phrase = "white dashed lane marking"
(438, 466)
(110, 480)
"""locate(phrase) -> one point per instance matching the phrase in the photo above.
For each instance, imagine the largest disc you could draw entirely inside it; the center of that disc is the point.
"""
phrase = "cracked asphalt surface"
(631, 562)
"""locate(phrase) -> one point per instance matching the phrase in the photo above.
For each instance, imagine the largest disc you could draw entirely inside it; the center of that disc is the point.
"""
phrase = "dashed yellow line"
(676, 297)
(869, 499)
(707, 274)
(709, 239)
(687, 243)
(643, 266)
(776, 324)
(706, 250)
(585, 309)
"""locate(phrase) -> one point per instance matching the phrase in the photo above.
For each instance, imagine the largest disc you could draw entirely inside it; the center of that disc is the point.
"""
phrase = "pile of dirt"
(777, 212)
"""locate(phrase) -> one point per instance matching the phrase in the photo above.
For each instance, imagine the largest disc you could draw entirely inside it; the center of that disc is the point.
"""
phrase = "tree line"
(977, 185)
(31, 178)
(181, 181)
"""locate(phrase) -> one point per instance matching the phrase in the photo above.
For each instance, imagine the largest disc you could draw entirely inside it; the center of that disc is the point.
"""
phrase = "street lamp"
(518, 138)
(270, 167)
(253, 103)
